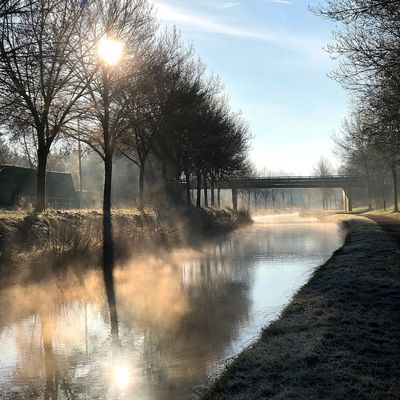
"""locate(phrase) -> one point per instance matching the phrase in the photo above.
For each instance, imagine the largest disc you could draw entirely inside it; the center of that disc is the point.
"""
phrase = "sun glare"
(110, 50)
(121, 377)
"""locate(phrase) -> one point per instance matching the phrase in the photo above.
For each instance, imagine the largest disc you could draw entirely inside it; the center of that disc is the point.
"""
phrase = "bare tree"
(368, 43)
(274, 198)
(265, 194)
(127, 24)
(368, 46)
(140, 113)
(323, 169)
(12, 7)
(146, 94)
(356, 151)
(38, 84)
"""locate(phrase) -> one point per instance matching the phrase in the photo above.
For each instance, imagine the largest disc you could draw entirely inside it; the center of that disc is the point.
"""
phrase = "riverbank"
(339, 338)
(63, 237)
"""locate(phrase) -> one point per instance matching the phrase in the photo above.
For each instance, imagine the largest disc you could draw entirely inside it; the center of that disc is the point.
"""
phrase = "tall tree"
(144, 102)
(118, 29)
(357, 153)
(368, 42)
(323, 169)
(38, 84)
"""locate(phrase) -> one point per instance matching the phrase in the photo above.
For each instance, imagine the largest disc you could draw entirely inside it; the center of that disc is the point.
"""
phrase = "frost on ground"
(340, 336)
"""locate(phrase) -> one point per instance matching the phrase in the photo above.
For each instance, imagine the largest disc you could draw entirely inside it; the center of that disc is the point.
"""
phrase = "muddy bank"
(340, 336)
(57, 237)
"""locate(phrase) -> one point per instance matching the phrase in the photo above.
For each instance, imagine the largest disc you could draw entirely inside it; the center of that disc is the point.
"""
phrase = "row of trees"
(302, 198)
(368, 45)
(144, 94)
(273, 199)
(101, 72)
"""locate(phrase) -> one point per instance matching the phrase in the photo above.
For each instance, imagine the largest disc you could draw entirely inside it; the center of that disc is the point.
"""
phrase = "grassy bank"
(59, 237)
(340, 336)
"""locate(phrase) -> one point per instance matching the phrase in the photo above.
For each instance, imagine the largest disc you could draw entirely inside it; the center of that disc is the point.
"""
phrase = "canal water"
(182, 315)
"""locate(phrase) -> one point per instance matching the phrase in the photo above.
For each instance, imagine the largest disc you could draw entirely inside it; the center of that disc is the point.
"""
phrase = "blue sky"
(269, 55)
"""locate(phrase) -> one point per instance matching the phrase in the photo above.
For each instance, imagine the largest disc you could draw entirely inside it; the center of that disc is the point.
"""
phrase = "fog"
(181, 314)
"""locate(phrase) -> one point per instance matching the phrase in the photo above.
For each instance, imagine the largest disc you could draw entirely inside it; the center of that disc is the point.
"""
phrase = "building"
(18, 186)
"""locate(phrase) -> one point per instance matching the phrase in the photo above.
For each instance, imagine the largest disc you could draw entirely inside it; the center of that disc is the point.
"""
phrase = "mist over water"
(181, 315)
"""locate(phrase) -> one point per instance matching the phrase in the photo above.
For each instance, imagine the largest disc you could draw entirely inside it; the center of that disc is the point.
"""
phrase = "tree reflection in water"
(178, 314)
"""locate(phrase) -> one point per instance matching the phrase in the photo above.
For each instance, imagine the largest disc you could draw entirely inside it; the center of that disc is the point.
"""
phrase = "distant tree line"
(156, 102)
(291, 198)
(368, 47)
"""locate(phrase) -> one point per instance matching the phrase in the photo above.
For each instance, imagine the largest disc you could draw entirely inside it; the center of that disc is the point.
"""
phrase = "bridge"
(346, 183)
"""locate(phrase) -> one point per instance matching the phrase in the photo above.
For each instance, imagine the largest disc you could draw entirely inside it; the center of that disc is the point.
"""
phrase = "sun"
(110, 50)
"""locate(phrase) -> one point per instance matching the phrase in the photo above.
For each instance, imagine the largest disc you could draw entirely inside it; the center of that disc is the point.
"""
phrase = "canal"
(182, 315)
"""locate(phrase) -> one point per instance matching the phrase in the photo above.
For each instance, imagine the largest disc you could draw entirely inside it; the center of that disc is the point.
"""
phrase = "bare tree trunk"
(198, 198)
(205, 190)
(165, 178)
(383, 195)
(369, 193)
(212, 194)
(395, 200)
(141, 188)
(107, 232)
(187, 187)
(41, 181)
(108, 245)
(219, 197)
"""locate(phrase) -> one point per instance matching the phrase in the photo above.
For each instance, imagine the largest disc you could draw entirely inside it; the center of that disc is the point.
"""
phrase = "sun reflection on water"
(121, 377)
(55, 333)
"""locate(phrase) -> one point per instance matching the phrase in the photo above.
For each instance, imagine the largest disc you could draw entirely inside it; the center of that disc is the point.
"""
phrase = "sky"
(270, 56)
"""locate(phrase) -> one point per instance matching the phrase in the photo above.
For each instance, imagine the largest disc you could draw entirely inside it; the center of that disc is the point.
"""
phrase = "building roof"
(18, 181)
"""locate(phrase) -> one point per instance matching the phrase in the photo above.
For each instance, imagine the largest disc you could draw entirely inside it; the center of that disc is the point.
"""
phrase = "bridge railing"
(333, 181)
(296, 177)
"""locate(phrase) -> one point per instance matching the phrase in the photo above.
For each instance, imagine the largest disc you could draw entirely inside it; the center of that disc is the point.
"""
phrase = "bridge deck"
(290, 182)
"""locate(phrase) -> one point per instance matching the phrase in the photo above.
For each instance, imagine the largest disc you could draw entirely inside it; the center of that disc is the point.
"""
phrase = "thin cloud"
(206, 23)
(230, 4)
(281, 1)
(202, 22)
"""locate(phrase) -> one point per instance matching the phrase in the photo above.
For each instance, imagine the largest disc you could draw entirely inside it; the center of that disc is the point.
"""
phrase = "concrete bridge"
(346, 183)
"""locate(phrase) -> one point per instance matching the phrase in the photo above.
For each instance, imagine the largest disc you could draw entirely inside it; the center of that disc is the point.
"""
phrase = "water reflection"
(179, 315)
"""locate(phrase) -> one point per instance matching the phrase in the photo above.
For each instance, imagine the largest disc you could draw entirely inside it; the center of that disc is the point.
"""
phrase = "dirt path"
(340, 336)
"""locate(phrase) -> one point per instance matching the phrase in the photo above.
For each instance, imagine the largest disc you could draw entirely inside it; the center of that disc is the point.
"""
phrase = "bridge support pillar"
(235, 199)
(347, 201)
(344, 200)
